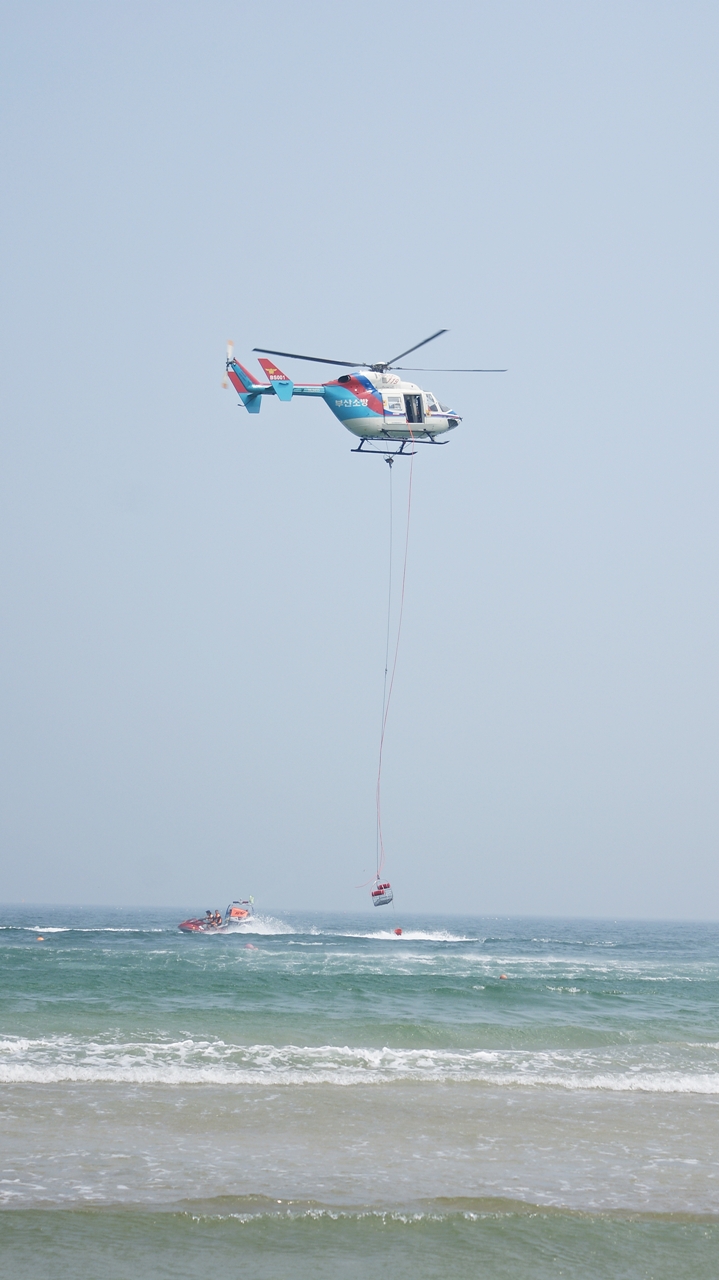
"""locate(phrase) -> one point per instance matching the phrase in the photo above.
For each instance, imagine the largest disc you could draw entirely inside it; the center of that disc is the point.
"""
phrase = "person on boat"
(208, 916)
(217, 919)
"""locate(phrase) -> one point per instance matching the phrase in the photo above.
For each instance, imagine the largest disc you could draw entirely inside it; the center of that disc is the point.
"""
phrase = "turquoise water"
(315, 1095)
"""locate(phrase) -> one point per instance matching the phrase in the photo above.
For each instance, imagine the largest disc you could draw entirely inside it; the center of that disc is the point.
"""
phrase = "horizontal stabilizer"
(281, 384)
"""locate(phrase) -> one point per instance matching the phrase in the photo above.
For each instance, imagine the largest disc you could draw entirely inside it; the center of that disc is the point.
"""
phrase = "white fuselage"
(397, 411)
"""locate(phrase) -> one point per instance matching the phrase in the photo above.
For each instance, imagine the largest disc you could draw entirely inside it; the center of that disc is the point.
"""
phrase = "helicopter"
(373, 403)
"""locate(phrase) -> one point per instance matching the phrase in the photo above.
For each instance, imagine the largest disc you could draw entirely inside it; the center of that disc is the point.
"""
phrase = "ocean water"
(316, 1096)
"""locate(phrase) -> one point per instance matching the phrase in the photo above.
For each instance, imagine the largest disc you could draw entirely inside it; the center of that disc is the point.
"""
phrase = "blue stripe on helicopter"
(353, 399)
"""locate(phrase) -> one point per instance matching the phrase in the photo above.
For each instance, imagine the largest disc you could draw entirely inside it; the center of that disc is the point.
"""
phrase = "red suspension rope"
(386, 702)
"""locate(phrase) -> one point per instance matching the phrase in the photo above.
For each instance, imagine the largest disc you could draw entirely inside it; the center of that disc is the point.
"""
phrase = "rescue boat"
(238, 913)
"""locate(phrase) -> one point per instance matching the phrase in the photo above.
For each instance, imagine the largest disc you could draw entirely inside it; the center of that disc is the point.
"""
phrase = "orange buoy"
(398, 932)
(40, 938)
(503, 975)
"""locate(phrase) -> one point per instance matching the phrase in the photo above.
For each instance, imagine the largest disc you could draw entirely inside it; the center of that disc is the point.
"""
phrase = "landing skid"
(395, 453)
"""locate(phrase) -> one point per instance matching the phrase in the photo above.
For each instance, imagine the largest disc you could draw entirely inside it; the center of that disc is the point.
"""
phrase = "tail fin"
(240, 377)
(283, 385)
(246, 385)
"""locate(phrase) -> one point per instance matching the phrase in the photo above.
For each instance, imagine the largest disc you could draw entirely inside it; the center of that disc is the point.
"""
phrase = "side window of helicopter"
(394, 405)
(432, 406)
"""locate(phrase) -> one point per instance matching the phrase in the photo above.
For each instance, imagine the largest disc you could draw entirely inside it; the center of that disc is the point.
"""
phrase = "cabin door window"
(413, 408)
(394, 407)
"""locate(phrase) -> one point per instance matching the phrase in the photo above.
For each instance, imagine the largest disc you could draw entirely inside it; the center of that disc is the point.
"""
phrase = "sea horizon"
(274, 910)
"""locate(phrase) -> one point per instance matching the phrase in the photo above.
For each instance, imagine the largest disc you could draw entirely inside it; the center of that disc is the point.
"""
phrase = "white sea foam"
(70, 928)
(261, 924)
(265, 925)
(410, 935)
(59, 1059)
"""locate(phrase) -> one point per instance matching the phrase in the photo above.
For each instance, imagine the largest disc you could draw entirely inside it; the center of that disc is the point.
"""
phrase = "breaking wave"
(410, 935)
(59, 1059)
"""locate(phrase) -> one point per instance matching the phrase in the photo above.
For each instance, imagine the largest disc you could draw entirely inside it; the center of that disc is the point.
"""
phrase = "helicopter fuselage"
(372, 405)
(380, 405)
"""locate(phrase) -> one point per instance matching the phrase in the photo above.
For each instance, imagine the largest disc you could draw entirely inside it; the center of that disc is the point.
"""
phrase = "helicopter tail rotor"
(230, 350)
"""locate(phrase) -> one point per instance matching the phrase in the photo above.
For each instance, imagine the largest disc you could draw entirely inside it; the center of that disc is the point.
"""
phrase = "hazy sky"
(193, 629)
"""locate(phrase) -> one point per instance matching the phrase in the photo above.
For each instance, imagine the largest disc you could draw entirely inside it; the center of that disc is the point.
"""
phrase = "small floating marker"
(40, 938)
(398, 932)
(250, 946)
(503, 975)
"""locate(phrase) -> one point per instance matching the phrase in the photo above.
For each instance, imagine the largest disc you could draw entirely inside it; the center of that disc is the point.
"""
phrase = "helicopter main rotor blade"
(292, 355)
(423, 343)
(410, 369)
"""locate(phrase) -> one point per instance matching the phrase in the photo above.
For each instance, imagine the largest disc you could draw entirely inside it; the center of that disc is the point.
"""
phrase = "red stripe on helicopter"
(242, 380)
(236, 382)
(361, 388)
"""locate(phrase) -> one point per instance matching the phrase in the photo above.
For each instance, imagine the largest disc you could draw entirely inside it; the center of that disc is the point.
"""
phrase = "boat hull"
(235, 916)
